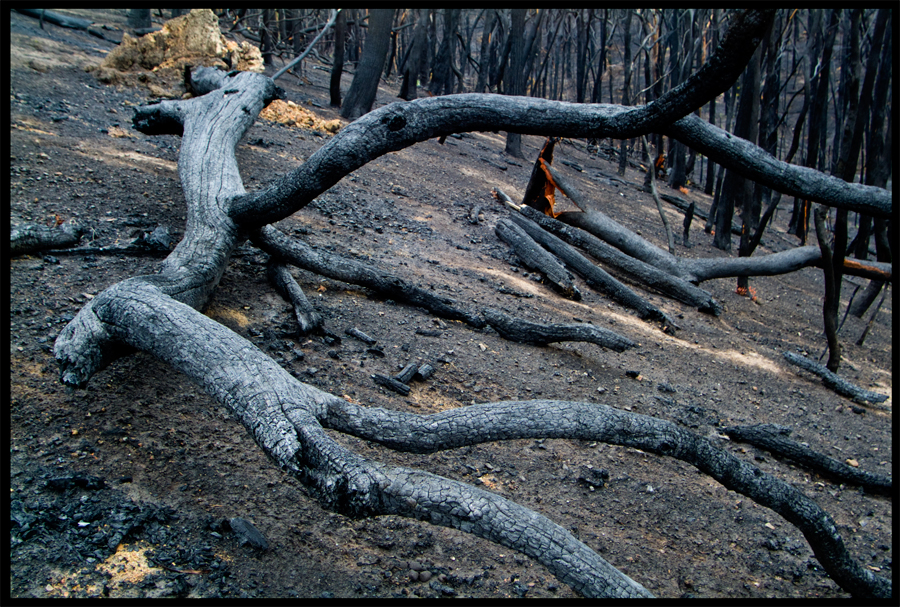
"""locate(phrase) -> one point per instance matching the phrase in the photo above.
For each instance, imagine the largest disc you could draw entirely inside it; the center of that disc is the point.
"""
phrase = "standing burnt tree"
(159, 313)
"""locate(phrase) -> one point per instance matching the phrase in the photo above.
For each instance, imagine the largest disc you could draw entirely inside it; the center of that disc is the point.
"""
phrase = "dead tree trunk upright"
(337, 66)
(362, 91)
(415, 58)
(626, 85)
(735, 187)
(139, 19)
(514, 76)
(878, 170)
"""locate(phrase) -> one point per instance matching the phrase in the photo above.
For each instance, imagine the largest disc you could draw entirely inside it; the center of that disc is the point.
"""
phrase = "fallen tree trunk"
(834, 381)
(158, 314)
(768, 436)
(523, 331)
(700, 270)
(595, 276)
(56, 18)
(639, 271)
(536, 258)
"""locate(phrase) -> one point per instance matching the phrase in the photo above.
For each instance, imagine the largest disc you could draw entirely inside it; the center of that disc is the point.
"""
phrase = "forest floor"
(123, 488)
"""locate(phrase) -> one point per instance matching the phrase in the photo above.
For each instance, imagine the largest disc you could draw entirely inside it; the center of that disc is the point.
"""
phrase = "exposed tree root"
(772, 438)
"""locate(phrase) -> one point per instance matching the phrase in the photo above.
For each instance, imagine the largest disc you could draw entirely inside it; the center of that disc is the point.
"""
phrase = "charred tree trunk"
(362, 91)
(515, 76)
(158, 314)
(415, 60)
(337, 66)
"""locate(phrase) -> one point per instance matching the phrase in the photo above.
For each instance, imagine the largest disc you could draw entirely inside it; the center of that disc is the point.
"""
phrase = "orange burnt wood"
(539, 194)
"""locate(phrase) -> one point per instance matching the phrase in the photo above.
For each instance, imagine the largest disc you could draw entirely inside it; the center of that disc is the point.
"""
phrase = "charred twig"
(391, 384)
(354, 332)
(279, 275)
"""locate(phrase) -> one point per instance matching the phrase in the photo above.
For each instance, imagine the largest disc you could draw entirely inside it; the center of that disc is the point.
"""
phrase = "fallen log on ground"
(31, 238)
(523, 331)
(700, 270)
(773, 439)
(595, 276)
(56, 18)
(639, 272)
(834, 381)
(536, 258)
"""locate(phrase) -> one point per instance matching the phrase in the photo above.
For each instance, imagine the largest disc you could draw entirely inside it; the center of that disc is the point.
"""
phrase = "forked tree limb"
(557, 419)
(158, 313)
(286, 418)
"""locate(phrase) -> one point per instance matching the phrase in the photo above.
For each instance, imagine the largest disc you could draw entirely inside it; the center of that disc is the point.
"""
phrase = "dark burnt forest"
(474, 303)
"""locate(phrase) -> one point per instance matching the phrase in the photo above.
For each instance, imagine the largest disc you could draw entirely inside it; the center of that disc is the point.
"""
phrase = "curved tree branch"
(557, 419)
(158, 314)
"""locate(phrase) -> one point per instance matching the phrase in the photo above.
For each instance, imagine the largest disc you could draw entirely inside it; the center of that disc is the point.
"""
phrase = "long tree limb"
(751, 161)
(351, 271)
(556, 419)
(765, 436)
(699, 270)
(834, 381)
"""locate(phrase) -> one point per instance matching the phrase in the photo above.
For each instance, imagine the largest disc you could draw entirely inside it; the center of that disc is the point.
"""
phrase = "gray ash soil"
(124, 489)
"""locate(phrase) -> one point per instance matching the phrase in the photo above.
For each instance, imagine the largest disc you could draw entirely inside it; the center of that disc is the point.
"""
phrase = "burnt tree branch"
(774, 439)
(159, 314)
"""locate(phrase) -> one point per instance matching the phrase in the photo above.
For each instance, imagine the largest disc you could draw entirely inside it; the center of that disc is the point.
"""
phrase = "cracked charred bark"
(287, 418)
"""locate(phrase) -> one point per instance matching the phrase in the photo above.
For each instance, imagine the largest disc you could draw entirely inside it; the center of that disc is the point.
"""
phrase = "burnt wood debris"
(160, 313)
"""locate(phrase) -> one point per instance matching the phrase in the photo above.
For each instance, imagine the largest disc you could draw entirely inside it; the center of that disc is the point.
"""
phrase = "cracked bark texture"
(158, 314)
